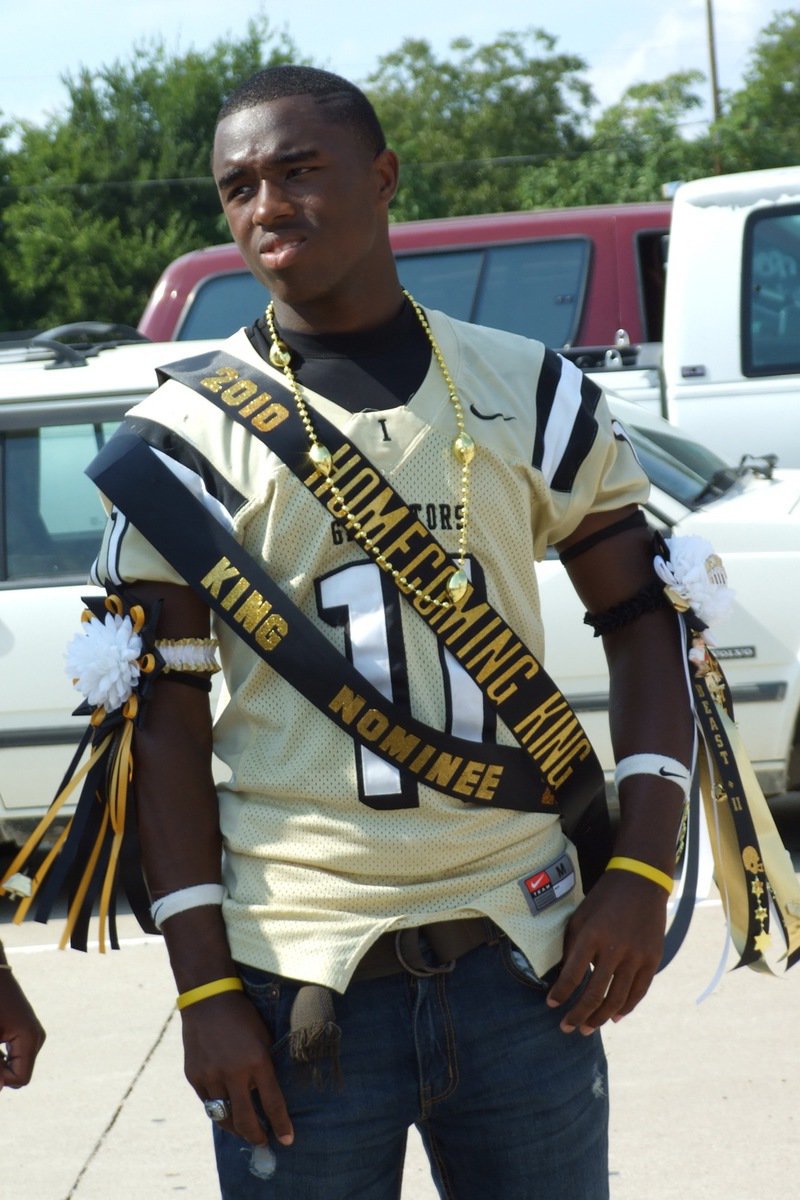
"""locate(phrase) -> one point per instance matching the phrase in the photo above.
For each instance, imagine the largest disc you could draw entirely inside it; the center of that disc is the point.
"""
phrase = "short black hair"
(342, 101)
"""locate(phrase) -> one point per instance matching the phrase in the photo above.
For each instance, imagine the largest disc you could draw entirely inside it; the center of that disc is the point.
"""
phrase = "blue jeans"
(507, 1105)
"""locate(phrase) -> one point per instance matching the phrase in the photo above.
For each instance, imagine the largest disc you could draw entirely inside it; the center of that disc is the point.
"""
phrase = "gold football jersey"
(326, 845)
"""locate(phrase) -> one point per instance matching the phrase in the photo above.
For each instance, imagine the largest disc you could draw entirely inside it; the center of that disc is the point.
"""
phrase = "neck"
(351, 313)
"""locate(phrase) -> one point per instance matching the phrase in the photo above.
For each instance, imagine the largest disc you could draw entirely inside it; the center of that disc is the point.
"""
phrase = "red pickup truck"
(573, 276)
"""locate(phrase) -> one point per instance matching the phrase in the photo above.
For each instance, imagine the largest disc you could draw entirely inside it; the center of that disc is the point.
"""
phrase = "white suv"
(58, 407)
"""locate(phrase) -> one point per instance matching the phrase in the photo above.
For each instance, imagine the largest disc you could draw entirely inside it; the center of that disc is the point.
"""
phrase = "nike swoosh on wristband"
(670, 774)
(489, 416)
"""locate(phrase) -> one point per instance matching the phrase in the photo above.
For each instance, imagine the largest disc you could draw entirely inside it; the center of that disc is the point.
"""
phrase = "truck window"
(532, 288)
(222, 304)
(53, 516)
(652, 248)
(771, 292)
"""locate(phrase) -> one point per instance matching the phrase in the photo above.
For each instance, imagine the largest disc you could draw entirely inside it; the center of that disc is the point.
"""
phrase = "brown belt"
(444, 941)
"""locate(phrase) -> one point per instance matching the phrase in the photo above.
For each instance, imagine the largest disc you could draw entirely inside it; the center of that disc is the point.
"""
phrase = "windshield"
(683, 469)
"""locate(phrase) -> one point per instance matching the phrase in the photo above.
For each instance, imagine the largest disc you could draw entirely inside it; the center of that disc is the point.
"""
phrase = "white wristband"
(654, 764)
(189, 897)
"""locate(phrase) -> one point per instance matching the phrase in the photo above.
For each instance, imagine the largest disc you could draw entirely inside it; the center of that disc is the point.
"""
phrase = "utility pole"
(712, 60)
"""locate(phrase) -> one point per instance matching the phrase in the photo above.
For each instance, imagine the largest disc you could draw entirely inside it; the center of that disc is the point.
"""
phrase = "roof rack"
(70, 345)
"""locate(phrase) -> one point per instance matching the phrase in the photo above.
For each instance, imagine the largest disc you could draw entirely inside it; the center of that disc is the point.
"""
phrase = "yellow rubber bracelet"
(231, 984)
(620, 863)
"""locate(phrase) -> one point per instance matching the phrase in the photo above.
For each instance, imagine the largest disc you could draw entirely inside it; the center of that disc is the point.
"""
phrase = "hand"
(618, 932)
(21, 1032)
(226, 1049)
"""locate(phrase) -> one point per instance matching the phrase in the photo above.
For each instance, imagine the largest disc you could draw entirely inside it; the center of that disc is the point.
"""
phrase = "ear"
(386, 170)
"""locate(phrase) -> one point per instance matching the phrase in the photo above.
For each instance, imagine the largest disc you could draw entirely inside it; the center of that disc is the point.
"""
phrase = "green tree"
(6, 294)
(635, 147)
(761, 124)
(463, 124)
(102, 198)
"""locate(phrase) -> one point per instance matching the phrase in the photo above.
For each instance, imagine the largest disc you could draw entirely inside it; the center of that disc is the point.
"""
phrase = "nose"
(271, 203)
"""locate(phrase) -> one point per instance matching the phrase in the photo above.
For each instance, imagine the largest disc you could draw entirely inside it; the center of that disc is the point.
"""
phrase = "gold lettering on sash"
(541, 745)
(347, 703)
(253, 609)
(252, 612)
(399, 743)
(424, 606)
(530, 724)
(492, 651)
(414, 530)
(218, 575)
(424, 755)
(255, 404)
(272, 631)
(374, 519)
(372, 725)
(215, 383)
(238, 590)
(443, 768)
(269, 417)
(491, 777)
(469, 777)
(525, 663)
(239, 391)
(562, 771)
(460, 621)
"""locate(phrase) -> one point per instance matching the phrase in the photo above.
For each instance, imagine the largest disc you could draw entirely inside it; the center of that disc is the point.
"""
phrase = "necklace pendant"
(279, 355)
(457, 586)
(321, 458)
(464, 448)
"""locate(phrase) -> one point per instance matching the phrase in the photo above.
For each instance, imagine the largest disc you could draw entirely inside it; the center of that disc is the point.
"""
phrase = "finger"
(613, 1003)
(639, 989)
(245, 1121)
(589, 998)
(571, 975)
(275, 1109)
(18, 1066)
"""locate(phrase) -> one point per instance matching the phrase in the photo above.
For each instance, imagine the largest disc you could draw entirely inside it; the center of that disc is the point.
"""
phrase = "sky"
(622, 41)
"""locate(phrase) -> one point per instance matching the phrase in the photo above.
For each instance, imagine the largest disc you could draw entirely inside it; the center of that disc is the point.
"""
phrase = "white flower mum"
(101, 660)
(689, 573)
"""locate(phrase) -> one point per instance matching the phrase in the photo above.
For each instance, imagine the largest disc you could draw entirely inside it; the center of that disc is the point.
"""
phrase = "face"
(308, 208)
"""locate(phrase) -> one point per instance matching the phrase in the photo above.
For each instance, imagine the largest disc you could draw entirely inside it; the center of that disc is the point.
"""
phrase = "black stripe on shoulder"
(171, 444)
(546, 388)
(581, 440)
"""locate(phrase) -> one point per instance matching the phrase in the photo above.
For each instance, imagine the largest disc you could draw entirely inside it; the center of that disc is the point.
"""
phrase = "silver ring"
(218, 1110)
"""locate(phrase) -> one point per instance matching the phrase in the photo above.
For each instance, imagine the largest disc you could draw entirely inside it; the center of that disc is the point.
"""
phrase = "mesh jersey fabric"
(313, 874)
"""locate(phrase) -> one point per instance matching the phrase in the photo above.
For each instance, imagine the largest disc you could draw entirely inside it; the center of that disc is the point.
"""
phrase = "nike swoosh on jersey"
(489, 416)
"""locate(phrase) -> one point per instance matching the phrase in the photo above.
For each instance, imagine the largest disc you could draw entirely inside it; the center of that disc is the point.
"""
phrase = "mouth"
(279, 250)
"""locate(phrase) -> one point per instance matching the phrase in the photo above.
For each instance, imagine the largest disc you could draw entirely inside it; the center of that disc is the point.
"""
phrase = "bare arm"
(226, 1044)
(20, 1031)
(618, 930)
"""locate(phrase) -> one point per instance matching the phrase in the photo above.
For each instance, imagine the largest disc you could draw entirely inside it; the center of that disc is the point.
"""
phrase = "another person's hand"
(618, 934)
(21, 1033)
(227, 1057)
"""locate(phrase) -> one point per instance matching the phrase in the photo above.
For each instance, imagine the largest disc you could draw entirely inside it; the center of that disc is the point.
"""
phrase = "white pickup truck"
(728, 371)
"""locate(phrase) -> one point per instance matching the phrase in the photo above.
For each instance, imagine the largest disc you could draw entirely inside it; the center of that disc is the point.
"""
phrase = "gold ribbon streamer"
(41, 829)
(749, 877)
(119, 776)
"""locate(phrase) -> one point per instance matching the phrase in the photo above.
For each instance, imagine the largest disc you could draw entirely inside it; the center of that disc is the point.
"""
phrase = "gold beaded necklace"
(463, 448)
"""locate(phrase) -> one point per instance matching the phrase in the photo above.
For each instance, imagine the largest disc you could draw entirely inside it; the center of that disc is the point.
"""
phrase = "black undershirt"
(370, 370)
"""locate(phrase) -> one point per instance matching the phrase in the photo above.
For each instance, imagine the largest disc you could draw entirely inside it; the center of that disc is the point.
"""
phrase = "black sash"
(241, 593)
(509, 675)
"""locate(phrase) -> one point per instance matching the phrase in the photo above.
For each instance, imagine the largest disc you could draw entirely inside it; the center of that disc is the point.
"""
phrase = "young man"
(480, 1022)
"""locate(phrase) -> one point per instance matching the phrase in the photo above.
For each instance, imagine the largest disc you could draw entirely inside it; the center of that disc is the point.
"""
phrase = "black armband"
(632, 521)
(648, 599)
